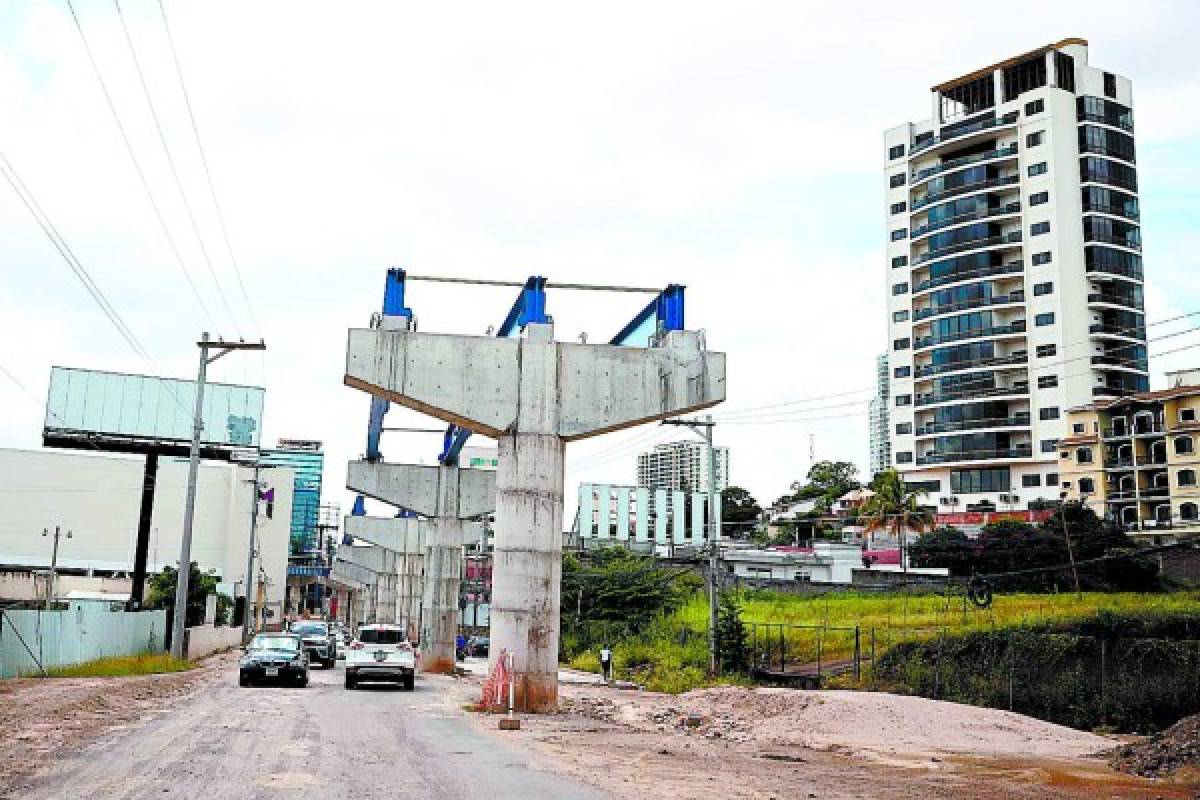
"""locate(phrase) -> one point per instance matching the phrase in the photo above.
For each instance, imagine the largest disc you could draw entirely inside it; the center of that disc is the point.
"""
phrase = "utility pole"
(246, 610)
(704, 427)
(53, 563)
(189, 509)
(1062, 510)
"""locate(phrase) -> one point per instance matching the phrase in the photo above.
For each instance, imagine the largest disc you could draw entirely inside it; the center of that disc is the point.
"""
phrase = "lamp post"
(53, 563)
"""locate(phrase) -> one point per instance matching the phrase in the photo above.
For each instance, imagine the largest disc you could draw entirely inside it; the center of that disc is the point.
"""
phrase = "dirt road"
(264, 743)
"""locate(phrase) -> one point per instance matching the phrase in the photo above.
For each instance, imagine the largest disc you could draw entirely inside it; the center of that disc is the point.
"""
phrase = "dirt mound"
(1176, 748)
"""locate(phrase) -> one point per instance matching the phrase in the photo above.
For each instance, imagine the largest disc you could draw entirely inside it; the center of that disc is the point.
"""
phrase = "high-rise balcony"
(966, 188)
(967, 305)
(1018, 420)
(950, 134)
(1018, 451)
(1123, 270)
(1113, 329)
(955, 163)
(1011, 268)
(928, 370)
(1015, 327)
(1116, 299)
(1004, 210)
(1011, 237)
(933, 398)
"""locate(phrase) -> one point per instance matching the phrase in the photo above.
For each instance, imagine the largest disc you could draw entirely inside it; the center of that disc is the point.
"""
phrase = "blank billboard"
(86, 404)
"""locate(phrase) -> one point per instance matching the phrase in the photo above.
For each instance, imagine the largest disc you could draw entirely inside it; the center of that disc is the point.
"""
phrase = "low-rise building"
(1134, 459)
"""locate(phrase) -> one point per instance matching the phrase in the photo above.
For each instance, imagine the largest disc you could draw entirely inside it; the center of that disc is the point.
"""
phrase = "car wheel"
(350, 682)
(303, 680)
(243, 680)
(410, 682)
(331, 663)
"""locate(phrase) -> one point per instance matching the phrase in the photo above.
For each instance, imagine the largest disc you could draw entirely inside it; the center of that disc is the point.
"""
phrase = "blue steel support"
(666, 310)
(393, 306)
(530, 307)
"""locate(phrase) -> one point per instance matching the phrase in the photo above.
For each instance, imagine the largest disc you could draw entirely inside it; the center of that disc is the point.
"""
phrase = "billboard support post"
(137, 591)
(185, 546)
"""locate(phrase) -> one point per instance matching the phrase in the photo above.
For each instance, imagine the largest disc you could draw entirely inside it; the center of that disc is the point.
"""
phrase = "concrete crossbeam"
(432, 491)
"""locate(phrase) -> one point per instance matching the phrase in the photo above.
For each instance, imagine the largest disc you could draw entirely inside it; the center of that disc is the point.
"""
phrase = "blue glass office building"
(307, 460)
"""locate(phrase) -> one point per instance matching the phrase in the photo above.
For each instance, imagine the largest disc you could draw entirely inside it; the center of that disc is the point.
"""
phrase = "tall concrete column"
(527, 564)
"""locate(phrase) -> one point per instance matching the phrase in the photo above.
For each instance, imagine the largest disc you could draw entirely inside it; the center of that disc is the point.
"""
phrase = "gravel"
(1164, 754)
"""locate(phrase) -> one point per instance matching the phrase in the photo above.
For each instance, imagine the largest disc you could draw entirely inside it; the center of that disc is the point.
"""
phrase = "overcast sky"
(735, 148)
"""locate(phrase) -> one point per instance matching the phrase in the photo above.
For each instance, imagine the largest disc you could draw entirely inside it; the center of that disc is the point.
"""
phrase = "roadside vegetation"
(121, 666)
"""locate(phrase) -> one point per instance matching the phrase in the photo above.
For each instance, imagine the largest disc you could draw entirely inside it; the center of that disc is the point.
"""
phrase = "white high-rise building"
(1014, 273)
(682, 466)
(878, 416)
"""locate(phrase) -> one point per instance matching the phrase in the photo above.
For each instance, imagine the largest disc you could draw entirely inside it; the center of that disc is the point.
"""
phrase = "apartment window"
(900, 288)
(1052, 479)
(900, 344)
(896, 180)
(1031, 480)
(1040, 289)
(1187, 511)
(902, 372)
(974, 481)
(1039, 198)
(1187, 477)
(1049, 412)
(1083, 455)
(1049, 445)
(1110, 85)
(1183, 446)
(1048, 382)
(1035, 107)
(1037, 169)
(1042, 320)
(1038, 228)
(904, 399)
(1046, 350)
(899, 316)
(1087, 486)
(903, 428)
(1187, 415)
(895, 151)
(1040, 258)
(904, 457)
(1034, 139)
(899, 261)
(1078, 427)
(899, 208)
(901, 233)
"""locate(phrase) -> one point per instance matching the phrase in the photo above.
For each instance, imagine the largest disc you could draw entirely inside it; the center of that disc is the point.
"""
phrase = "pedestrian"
(606, 663)
(460, 647)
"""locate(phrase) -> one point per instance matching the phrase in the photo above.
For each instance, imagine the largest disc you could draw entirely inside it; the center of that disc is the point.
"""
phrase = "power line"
(162, 224)
(207, 173)
(187, 205)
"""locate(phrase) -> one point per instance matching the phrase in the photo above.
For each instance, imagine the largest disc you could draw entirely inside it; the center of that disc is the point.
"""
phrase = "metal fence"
(34, 641)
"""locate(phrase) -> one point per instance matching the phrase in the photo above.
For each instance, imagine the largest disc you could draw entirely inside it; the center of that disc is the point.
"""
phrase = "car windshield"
(309, 628)
(274, 643)
(380, 636)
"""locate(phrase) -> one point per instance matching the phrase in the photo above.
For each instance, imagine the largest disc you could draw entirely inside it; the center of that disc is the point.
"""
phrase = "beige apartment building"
(1135, 459)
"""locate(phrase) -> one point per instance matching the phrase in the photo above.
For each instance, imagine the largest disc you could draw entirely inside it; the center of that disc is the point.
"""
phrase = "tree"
(732, 638)
(894, 508)
(200, 586)
(943, 547)
(740, 512)
(827, 481)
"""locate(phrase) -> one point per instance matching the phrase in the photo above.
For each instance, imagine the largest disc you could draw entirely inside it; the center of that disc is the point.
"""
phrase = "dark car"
(276, 657)
(318, 639)
(478, 645)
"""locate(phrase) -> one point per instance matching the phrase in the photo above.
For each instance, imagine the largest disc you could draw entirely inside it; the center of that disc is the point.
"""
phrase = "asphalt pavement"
(324, 741)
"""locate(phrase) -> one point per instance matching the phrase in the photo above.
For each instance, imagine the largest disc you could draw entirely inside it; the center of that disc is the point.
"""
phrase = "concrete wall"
(84, 632)
(204, 640)
(29, 586)
(98, 497)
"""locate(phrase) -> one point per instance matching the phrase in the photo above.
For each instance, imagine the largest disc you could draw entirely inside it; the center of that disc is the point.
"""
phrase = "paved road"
(322, 741)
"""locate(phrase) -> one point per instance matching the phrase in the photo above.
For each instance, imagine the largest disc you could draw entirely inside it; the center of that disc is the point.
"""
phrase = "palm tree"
(895, 509)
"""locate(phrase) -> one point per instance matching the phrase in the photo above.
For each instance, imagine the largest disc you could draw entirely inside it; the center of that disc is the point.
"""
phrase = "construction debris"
(1162, 755)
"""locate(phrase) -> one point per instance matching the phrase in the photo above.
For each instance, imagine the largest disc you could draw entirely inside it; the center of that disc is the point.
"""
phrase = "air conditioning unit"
(1009, 498)
(948, 501)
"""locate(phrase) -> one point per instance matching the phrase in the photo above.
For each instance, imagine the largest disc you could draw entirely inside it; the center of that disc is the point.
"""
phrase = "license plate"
(272, 672)
(381, 655)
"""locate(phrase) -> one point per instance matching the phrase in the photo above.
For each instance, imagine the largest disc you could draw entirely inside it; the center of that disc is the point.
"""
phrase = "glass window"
(1034, 139)
(1183, 445)
(1110, 85)
(901, 344)
(903, 428)
(902, 372)
(1187, 415)
(904, 399)
(904, 457)
(1087, 486)
(1037, 169)
(1052, 479)
(1031, 480)
(899, 234)
(899, 208)
(1188, 511)
(1187, 477)
(1077, 427)
(1102, 170)
(1046, 350)
(900, 288)
(896, 180)
(1041, 320)
(1049, 412)
(1047, 381)
(1039, 198)
(1040, 289)
(899, 316)
(1038, 228)
(975, 481)
(1049, 445)
(899, 261)
(1083, 455)
(1034, 107)
(381, 636)
(895, 151)
(1040, 258)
